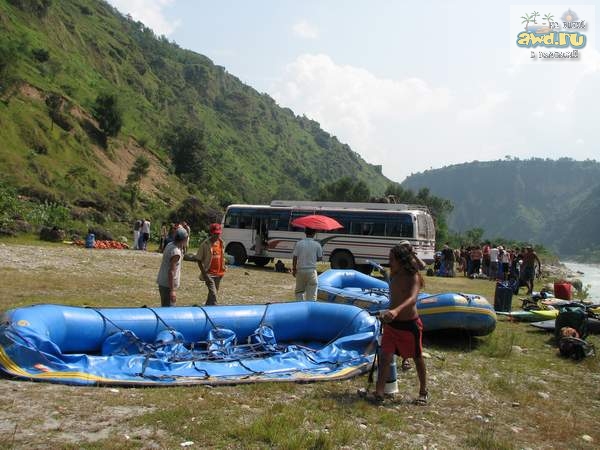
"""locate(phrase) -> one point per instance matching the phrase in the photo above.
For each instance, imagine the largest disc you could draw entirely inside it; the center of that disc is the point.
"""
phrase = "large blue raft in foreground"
(447, 311)
(299, 341)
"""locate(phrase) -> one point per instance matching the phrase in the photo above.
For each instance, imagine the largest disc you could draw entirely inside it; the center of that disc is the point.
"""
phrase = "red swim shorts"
(404, 338)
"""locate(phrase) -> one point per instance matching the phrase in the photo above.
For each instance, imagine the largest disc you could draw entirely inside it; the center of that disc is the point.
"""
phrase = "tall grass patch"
(487, 438)
(500, 343)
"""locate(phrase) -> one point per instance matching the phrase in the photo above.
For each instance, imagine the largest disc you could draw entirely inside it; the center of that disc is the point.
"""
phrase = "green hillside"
(556, 203)
(202, 132)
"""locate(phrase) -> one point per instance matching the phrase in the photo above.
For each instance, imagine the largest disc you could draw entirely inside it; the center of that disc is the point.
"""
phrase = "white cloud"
(591, 61)
(305, 30)
(538, 113)
(367, 112)
(484, 110)
(517, 61)
(560, 107)
(580, 141)
(149, 12)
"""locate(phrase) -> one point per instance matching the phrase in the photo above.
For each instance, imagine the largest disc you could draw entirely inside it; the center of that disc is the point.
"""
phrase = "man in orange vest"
(211, 261)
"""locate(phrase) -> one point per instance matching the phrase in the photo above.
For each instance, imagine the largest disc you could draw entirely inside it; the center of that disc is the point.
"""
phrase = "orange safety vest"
(217, 267)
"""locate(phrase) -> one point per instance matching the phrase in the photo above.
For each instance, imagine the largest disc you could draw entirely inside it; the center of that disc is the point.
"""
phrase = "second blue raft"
(446, 311)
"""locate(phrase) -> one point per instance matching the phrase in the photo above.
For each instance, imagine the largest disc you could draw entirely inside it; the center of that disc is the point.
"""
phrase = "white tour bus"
(260, 233)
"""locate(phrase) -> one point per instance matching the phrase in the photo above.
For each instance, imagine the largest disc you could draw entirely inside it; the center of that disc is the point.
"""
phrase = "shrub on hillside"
(101, 234)
(37, 7)
(55, 102)
(107, 113)
(196, 213)
(9, 205)
(41, 54)
(87, 215)
(52, 234)
(188, 150)
(49, 214)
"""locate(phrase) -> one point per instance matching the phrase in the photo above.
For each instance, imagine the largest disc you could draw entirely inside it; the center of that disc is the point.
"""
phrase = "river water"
(590, 275)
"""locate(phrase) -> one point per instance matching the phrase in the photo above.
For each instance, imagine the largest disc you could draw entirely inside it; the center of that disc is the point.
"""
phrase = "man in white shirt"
(494, 251)
(145, 233)
(169, 273)
(304, 266)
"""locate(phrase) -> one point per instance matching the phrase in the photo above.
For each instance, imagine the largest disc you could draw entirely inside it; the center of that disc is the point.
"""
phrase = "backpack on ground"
(575, 348)
(572, 316)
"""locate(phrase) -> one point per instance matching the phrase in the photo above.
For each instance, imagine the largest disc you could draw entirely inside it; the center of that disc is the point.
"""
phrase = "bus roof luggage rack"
(349, 205)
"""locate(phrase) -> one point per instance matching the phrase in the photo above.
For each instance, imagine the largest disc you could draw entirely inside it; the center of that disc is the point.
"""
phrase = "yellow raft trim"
(457, 309)
(16, 370)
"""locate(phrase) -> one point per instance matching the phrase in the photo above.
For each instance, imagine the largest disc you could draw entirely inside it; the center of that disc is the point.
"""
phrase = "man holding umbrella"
(304, 265)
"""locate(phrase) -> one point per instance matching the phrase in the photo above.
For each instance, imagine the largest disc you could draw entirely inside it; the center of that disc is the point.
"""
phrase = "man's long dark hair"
(406, 256)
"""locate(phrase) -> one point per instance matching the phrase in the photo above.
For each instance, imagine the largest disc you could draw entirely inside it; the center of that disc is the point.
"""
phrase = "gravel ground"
(470, 391)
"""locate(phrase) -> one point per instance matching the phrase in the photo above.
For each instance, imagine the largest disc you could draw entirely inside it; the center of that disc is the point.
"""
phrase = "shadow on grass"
(457, 340)
(535, 332)
(351, 399)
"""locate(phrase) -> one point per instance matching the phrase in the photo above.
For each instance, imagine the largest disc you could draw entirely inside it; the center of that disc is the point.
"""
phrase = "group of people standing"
(141, 234)
(402, 329)
(167, 234)
(211, 262)
(490, 261)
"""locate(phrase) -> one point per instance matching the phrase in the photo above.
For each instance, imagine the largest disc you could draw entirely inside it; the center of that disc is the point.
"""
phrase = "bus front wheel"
(238, 252)
(342, 260)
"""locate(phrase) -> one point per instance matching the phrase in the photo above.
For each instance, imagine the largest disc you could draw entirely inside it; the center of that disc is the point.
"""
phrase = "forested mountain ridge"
(97, 111)
(555, 203)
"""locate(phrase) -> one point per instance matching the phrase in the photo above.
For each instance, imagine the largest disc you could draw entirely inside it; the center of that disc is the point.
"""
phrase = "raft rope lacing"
(149, 350)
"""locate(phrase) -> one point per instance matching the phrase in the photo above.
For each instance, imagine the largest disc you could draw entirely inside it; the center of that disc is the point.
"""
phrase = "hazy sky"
(411, 86)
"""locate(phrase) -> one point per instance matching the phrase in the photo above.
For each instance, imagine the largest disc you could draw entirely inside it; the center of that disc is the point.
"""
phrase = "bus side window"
(282, 219)
(378, 229)
(408, 230)
(367, 229)
(231, 221)
(400, 230)
(393, 229)
(355, 227)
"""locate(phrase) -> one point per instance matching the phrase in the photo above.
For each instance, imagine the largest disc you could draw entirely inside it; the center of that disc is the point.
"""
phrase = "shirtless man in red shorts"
(403, 329)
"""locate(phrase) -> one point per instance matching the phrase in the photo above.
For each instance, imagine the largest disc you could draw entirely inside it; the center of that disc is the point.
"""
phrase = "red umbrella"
(317, 222)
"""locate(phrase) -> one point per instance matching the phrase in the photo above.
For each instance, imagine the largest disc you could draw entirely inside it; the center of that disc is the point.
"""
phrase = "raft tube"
(298, 341)
(447, 311)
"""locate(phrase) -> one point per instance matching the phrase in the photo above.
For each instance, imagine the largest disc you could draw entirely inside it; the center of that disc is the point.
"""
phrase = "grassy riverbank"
(507, 390)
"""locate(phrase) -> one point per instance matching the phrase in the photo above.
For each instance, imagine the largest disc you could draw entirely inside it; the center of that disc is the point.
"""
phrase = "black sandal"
(422, 399)
(371, 397)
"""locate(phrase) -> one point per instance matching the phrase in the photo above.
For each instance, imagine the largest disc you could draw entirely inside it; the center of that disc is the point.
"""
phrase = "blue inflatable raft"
(447, 311)
(299, 341)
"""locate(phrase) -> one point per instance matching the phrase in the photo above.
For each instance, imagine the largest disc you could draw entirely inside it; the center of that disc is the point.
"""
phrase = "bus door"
(260, 235)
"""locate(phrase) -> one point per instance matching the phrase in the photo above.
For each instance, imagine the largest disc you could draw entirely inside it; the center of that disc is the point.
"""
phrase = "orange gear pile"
(103, 244)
